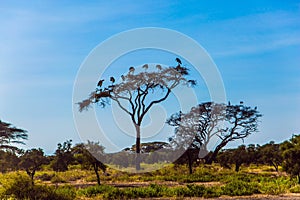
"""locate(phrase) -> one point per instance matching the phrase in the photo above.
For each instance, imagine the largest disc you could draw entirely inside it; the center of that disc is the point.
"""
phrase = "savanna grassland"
(172, 181)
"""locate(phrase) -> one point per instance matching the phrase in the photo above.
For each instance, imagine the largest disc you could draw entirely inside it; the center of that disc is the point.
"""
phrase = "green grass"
(250, 180)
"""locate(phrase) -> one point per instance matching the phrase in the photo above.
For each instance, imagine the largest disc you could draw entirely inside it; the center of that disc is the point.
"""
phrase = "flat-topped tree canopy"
(10, 135)
(136, 92)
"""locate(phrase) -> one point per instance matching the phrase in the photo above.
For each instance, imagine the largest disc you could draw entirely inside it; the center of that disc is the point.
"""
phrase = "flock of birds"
(132, 69)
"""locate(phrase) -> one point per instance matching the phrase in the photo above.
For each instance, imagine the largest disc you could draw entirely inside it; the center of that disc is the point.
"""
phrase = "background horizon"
(255, 46)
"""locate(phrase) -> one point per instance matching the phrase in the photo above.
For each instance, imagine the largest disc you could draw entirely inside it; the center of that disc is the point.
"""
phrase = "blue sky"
(255, 45)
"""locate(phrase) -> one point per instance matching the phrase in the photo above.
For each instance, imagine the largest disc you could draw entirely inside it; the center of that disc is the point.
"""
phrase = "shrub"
(45, 177)
(58, 179)
(240, 188)
(21, 188)
(275, 186)
(95, 190)
(295, 189)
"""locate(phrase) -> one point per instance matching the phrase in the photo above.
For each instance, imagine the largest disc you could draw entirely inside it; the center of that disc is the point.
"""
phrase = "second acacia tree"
(137, 93)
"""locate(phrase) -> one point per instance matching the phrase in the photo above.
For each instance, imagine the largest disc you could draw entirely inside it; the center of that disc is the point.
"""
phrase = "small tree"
(237, 156)
(270, 154)
(31, 161)
(90, 155)
(10, 135)
(63, 156)
(9, 160)
(291, 156)
(137, 93)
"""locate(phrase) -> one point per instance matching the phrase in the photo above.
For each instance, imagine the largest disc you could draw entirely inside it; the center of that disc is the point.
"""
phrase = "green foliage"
(295, 189)
(20, 187)
(240, 188)
(152, 191)
(63, 157)
(275, 186)
(45, 176)
(58, 179)
(291, 156)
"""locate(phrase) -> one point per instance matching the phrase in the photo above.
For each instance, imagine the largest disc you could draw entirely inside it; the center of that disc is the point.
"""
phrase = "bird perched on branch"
(100, 83)
(158, 67)
(112, 79)
(178, 60)
(145, 66)
(123, 77)
(131, 70)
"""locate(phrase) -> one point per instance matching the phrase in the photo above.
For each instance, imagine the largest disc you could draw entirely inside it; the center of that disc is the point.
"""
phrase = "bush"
(295, 189)
(275, 186)
(58, 179)
(21, 188)
(45, 177)
(240, 188)
(95, 190)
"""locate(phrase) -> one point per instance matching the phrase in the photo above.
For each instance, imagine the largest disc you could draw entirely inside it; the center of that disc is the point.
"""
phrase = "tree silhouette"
(137, 93)
(89, 155)
(31, 161)
(241, 121)
(11, 135)
(196, 128)
(63, 157)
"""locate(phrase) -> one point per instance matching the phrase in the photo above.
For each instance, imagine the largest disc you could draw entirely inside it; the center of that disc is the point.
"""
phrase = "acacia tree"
(291, 156)
(137, 93)
(11, 135)
(31, 161)
(241, 121)
(196, 128)
(89, 155)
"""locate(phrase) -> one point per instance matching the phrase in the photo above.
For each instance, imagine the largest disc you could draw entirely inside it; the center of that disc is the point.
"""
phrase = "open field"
(172, 182)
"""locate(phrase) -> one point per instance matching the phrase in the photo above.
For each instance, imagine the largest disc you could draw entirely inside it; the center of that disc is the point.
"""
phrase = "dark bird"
(178, 60)
(145, 66)
(131, 69)
(123, 77)
(241, 102)
(112, 79)
(100, 83)
(229, 103)
(255, 108)
(158, 67)
(192, 82)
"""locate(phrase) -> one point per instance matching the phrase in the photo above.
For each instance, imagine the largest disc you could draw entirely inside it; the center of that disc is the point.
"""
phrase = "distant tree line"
(91, 156)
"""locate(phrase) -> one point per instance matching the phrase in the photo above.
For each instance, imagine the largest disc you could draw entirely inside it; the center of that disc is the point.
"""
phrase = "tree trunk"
(190, 161)
(97, 174)
(237, 167)
(138, 148)
(31, 175)
(215, 153)
(275, 166)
